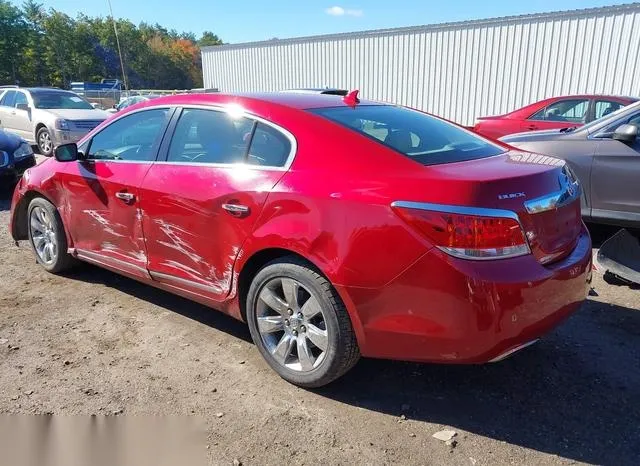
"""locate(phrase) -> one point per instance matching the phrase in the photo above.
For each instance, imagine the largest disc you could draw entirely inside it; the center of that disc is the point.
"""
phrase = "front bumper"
(444, 309)
(60, 137)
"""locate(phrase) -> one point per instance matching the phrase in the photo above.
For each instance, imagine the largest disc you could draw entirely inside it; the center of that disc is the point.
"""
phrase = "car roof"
(45, 89)
(301, 101)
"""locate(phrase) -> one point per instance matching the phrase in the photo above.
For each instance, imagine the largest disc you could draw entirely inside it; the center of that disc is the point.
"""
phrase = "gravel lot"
(96, 343)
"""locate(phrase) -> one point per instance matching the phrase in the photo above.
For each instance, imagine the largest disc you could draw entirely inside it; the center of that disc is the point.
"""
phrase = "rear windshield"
(423, 138)
(59, 100)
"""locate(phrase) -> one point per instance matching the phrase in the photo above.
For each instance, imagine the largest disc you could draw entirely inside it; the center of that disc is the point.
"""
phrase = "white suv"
(47, 117)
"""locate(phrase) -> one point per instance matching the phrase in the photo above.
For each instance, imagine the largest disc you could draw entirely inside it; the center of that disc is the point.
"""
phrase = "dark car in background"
(552, 113)
(605, 156)
(16, 155)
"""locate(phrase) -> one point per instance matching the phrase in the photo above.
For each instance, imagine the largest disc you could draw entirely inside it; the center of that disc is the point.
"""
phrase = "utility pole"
(115, 30)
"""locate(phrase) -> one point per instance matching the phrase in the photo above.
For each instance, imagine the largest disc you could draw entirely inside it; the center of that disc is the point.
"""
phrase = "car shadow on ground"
(168, 301)
(575, 394)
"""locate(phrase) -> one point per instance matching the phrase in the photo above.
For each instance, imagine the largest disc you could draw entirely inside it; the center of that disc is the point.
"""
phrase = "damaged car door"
(101, 190)
(202, 198)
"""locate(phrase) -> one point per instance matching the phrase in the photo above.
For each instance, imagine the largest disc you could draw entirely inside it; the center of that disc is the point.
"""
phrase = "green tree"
(209, 38)
(13, 40)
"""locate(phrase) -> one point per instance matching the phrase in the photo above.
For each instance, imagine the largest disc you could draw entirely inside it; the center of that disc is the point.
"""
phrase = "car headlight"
(62, 124)
(4, 158)
(23, 150)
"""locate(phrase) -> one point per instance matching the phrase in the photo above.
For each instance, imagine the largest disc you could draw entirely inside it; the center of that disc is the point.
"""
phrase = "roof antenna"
(351, 98)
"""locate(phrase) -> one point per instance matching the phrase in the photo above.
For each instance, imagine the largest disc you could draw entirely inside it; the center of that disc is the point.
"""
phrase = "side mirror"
(626, 133)
(24, 107)
(66, 153)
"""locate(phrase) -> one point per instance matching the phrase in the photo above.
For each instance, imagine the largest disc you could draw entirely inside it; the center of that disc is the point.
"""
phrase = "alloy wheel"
(44, 141)
(43, 235)
(291, 324)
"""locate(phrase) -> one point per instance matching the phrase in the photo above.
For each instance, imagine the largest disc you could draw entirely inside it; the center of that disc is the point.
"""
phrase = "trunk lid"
(540, 189)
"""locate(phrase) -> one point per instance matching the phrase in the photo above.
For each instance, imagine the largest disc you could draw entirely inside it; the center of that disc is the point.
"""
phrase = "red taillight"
(468, 235)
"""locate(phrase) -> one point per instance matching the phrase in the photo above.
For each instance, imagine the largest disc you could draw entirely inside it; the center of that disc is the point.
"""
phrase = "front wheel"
(47, 236)
(299, 324)
(45, 143)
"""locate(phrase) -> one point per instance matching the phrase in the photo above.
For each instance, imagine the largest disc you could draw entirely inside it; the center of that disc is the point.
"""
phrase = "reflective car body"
(16, 156)
(343, 201)
(552, 113)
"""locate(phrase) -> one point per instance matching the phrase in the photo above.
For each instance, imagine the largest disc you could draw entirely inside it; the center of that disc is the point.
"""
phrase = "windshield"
(421, 137)
(59, 100)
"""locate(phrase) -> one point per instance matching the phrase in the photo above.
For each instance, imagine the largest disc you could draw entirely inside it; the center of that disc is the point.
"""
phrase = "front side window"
(606, 107)
(210, 136)
(421, 137)
(21, 98)
(572, 111)
(8, 99)
(59, 100)
(134, 137)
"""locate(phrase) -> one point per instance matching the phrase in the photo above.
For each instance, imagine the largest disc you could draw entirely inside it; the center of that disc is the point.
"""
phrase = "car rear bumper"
(443, 309)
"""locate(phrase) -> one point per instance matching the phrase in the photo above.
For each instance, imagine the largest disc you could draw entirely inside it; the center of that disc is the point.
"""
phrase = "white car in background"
(129, 101)
(47, 117)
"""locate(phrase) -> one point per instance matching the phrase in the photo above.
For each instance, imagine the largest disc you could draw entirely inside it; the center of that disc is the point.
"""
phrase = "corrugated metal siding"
(458, 70)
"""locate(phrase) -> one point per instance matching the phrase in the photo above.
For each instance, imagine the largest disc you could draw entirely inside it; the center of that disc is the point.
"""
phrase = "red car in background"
(334, 227)
(553, 113)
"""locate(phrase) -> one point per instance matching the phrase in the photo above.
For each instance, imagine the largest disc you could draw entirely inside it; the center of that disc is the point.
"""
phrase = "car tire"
(47, 236)
(44, 142)
(311, 349)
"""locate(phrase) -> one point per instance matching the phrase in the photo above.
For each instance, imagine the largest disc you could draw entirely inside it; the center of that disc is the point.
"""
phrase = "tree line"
(40, 47)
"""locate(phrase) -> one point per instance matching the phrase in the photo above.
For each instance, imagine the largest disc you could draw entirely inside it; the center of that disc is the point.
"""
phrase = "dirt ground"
(92, 342)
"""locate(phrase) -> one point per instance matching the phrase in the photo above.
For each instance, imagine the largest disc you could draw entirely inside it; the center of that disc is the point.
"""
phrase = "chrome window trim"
(243, 113)
(224, 108)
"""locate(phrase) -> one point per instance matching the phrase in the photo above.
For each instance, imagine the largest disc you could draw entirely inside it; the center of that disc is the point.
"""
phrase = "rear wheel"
(45, 144)
(47, 236)
(299, 324)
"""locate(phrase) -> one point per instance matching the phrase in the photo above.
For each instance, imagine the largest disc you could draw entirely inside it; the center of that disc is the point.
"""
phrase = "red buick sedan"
(334, 227)
(554, 113)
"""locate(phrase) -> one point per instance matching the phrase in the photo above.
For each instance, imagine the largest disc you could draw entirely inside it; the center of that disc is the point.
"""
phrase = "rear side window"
(269, 147)
(421, 137)
(8, 99)
(606, 107)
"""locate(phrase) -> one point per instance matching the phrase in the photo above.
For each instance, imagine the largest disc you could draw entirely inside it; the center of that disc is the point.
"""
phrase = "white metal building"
(456, 70)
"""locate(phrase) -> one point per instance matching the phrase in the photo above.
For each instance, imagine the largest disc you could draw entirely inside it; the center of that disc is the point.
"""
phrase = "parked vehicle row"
(47, 117)
(335, 227)
(554, 113)
(605, 156)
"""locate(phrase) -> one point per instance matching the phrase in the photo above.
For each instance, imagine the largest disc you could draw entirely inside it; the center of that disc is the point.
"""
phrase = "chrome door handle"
(127, 197)
(236, 209)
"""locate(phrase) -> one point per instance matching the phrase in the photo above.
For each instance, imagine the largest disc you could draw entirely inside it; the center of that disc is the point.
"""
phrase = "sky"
(237, 21)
